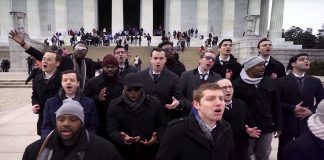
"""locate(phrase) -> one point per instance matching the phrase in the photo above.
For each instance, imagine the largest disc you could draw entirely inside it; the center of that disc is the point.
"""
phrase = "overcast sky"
(304, 13)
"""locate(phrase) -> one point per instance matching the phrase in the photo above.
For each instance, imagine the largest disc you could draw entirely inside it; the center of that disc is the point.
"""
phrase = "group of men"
(166, 112)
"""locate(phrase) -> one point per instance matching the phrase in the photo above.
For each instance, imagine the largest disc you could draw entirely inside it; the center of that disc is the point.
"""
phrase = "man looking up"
(122, 56)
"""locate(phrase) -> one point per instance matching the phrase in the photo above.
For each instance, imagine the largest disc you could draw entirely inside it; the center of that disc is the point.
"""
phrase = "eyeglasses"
(133, 89)
(209, 58)
(120, 52)
(226, 87)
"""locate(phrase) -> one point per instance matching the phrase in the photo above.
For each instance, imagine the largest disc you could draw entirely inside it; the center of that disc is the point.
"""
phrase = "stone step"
(15, 86)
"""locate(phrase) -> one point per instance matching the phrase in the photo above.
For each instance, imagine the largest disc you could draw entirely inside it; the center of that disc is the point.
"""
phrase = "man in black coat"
(172, 63)
(45, 85)
(122, 57)
(191, 80)
(103, 89)
(70, 140)
(225, 63)
(273, 68)
(238, 116)
(260, 95)
(203, 135)
(309, 146)
(85, 67)
(299, 94)
(163, 84)
(135, 121)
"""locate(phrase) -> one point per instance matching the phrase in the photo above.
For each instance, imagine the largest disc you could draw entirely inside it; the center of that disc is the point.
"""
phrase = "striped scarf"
(316, 126)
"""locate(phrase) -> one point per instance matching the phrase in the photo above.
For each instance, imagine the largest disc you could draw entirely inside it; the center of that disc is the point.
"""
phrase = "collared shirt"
(210, 128)
(266, 61)
(221, 60)
(229, 105)
(203, 75)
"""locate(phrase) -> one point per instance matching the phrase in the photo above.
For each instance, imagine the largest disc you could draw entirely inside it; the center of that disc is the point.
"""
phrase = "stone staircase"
(14, 84)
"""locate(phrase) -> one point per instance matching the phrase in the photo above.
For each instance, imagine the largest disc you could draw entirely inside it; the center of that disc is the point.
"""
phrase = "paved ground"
(18, 123)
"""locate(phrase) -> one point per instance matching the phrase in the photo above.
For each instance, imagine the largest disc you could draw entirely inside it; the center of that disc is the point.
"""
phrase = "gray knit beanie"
(252, 61)
(72, 107)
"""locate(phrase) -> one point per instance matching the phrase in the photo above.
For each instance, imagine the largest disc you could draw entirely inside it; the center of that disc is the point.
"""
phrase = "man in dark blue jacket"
(70, 89)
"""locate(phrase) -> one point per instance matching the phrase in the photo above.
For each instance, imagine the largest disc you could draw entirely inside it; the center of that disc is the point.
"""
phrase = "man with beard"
(225, 63)
(85, 67)
(163, 84)
(273, 68)
(70, 140)
(300, 94)
(191, 80)
(260, 95)
(122, 57)
(172, 63)
(45, 85)
(70, 90)
(135, 121)
(238, 116)
(203, 135)
(103, 89)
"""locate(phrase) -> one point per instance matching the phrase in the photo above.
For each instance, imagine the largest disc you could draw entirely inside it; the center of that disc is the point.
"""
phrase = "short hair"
(262, 40)
(158, 50)
(204, 53)
(294, 58)
(58, 57)
(119, 46)
(80, 42)
(198, 93)
(71, 71)
(221, 43)
(165, 43)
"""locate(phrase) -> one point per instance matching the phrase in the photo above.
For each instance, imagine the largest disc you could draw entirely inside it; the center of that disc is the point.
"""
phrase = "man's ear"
(196, 104)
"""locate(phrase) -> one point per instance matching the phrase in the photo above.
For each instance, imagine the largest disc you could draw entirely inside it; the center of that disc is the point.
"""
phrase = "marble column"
(5, 23)
(276, 21)
(228, 18)
(33, 21)
(175, 15)
(89, 15)
(202, 16)
(264, 15)
(253, 18)
(147, 16)
(117, 18)
(60, 17)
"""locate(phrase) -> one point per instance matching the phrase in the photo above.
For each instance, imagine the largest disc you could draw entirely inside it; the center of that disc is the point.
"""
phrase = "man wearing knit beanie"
(104, 88)
(309, 146)
(261, 97)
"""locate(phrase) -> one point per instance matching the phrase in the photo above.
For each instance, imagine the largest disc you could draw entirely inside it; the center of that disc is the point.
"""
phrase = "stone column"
(89, 15)
(117, 18)
(33, 23)
(175, 15)
(264, 15)
(228, 18)
(5, 23)
(147, 16)
(60, 17)
(276, 19)
(202, 17)
(253, 17)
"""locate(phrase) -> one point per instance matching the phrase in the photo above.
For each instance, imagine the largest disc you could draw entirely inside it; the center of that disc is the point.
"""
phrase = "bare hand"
(307, 112)
(102, 94)
(19, 38)
(229, 74)
(35, 108)
(152, 141)
(128, 139)
(175, 103)
(274, 76)
(276, 134)
(253, 132)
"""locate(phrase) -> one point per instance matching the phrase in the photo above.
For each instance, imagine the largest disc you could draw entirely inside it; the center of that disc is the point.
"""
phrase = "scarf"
(133, 106)
(316, 126)
(81, 70)
(202, 125)
(247, 79)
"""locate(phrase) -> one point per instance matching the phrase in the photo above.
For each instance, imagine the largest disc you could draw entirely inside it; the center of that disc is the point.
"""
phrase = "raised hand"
(150, 142)
(102, 94)
(19, 38)
(253, 132)
(175, 103)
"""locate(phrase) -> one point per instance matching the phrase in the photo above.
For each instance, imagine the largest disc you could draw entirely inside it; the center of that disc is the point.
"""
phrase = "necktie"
(224, 62)
(266, 63)
(121, 69)
(228, 106)
(203, 78)
(155, 78)
(300, 80)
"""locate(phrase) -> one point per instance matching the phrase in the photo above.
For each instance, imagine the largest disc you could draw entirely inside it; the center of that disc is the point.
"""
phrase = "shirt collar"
(299, 76)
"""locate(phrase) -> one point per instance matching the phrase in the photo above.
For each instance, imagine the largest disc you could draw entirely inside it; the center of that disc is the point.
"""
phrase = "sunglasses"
(133, 89)
(209, 58)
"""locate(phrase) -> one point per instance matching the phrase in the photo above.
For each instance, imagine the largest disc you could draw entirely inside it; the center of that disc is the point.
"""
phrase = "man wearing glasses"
(84, 67)
(191, 80)
(172, 63)
(122, 56)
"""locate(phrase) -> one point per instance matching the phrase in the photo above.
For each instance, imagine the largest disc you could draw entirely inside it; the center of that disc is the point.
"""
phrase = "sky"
(304, 14)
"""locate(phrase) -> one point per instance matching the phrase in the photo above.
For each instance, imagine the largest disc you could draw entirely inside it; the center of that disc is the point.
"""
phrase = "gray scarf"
(247, 79)
(133, 106)
(81, 71)
(203, 127)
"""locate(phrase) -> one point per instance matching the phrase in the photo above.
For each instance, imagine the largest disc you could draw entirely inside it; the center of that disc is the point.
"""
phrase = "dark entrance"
(158, 14)
(132, 14)
(104, 14)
